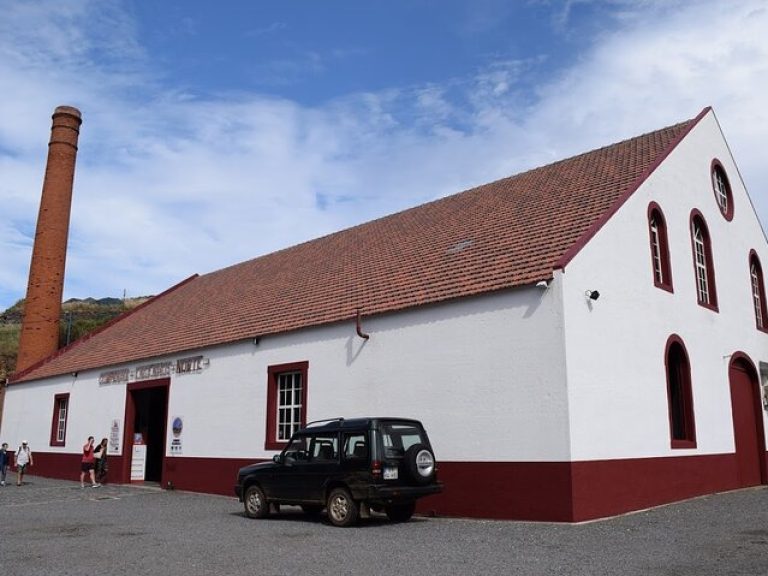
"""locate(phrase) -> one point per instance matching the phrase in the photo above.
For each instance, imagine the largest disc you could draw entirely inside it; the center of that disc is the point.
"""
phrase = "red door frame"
(130, 418)
(740, 361)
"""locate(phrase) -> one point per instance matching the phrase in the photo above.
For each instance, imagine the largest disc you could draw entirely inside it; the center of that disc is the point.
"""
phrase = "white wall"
(615, 346)
(29, 409)
(486, 375)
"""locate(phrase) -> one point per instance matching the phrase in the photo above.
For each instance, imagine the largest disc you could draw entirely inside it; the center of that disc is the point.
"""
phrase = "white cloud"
(656, 70)
(169, 184)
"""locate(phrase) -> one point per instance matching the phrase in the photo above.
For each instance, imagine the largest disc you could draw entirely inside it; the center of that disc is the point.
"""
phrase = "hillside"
(78, 318)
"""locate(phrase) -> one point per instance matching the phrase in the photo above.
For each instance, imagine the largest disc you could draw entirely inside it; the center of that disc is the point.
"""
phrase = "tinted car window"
(355, 446)
(324, 447)
(397, 438)
(298, 448)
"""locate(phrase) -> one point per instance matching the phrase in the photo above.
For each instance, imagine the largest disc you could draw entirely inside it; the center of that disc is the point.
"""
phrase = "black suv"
(347, 466)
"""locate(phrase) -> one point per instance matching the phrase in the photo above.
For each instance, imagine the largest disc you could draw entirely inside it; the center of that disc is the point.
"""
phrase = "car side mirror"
(276, 459)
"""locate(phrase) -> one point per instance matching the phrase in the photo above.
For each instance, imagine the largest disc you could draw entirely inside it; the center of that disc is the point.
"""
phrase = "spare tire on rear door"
(419, 464)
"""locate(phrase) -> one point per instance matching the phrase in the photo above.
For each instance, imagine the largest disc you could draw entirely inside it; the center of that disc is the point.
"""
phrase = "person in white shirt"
(23, 459)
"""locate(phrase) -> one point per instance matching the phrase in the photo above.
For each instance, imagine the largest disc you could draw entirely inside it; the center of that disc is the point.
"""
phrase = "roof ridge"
(455, 195)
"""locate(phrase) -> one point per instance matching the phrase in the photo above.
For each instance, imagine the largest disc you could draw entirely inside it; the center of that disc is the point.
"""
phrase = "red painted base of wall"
(606, 488)
(543, 491)
(503, 490)
(209, 475)
(67, 466)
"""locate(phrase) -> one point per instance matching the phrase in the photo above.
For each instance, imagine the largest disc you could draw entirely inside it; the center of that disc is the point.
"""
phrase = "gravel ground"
(54, 527)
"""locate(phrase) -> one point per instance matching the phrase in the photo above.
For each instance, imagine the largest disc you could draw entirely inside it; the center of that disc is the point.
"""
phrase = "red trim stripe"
(542, 491)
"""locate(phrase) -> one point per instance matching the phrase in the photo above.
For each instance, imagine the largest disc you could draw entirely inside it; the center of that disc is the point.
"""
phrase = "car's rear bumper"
(388, 494)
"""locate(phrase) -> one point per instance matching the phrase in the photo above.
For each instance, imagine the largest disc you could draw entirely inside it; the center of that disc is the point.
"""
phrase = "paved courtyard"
(54, 527)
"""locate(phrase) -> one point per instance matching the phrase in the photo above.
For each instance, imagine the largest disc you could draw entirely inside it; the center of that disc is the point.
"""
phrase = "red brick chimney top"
(70, 110)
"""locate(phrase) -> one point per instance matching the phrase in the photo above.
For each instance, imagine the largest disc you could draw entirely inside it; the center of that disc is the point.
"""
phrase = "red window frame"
(682, 422)
(271, 441)
(697, 222)
(757, 290)
(717, 172)
(661, 266)
(58, 400)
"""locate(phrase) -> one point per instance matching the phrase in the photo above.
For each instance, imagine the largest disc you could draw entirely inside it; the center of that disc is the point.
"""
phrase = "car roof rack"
(316, 422)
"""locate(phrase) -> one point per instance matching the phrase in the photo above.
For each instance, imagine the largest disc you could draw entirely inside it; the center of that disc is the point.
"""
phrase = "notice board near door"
(138, 460)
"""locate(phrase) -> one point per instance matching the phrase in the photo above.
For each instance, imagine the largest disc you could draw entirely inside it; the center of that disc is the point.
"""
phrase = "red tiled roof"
(504, 234)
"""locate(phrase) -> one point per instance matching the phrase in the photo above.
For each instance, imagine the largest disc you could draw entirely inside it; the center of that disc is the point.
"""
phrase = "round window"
(722, 190)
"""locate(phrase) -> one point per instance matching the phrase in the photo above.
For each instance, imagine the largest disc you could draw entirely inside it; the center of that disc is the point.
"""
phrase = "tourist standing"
(101, 467)
(87, 464)
(3, 462)
(23, 460)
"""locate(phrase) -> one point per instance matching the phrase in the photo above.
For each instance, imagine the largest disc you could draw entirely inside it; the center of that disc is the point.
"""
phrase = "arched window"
(758, 291)
(657, 232)
(679, 395)
(704, 268)
(722, 189)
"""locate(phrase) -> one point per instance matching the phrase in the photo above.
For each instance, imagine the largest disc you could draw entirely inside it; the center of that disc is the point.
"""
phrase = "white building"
(580, 340)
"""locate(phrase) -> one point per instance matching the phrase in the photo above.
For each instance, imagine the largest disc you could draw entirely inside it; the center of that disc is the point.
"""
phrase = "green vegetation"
(9, 343)
(78, 318)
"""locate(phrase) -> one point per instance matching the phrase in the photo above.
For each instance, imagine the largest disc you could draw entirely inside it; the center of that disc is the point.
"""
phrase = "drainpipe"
(360, 328)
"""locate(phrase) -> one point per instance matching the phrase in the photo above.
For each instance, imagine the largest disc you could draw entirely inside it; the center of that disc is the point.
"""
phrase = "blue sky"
(215, 132)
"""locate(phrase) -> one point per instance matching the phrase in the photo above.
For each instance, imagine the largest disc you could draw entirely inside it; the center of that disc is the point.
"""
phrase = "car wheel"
(420, 464)
(342, 510)
(400, 512)
(256, 506)
(311, 509)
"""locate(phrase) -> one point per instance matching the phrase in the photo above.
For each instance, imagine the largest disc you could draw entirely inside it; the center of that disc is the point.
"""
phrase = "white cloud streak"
(169, 184)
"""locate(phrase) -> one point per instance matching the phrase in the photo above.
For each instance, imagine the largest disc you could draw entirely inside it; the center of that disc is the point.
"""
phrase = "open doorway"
(146, 415)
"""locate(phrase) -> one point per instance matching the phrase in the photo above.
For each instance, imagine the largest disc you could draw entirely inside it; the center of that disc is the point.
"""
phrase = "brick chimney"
(42, 309)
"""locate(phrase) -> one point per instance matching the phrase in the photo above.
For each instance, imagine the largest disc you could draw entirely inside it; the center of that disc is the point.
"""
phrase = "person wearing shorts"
(23, 459)
(87, 464)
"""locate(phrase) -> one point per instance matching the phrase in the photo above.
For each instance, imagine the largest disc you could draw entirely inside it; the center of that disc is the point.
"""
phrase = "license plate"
(390, 473)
